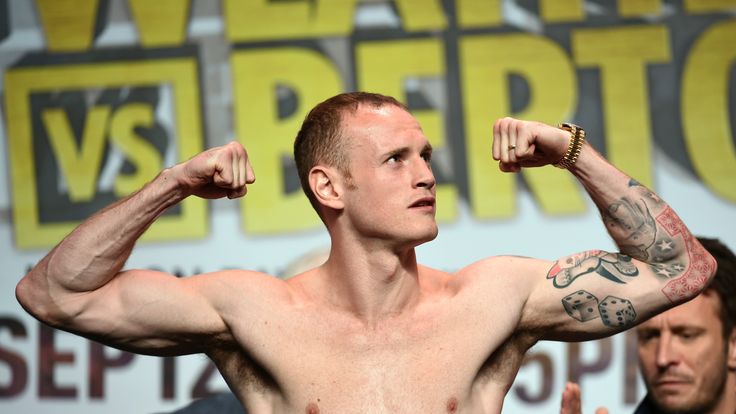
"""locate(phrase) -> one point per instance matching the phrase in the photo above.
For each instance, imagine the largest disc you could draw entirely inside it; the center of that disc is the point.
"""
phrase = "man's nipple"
(452, 405)
(312, 408)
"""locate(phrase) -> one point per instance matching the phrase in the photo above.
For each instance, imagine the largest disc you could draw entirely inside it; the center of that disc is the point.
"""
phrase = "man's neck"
(372, 282)
(727, 402)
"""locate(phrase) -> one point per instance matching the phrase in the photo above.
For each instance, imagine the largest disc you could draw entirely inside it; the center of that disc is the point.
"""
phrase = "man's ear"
(732, 349)
(326, 187)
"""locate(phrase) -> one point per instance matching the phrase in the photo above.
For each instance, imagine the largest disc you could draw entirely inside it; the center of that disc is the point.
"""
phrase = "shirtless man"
(377, 332)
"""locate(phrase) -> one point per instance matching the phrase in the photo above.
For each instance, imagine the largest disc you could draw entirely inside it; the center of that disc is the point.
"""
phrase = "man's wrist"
(575, 145)
(170, 182)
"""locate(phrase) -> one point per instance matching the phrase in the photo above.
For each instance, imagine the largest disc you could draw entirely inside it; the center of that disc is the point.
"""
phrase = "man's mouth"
(423, 202)
(671, 382)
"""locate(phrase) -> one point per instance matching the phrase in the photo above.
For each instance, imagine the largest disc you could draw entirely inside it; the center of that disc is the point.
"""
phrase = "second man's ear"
(325, 186)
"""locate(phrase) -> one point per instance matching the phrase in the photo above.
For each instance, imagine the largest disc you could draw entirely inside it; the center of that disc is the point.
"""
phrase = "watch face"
(569, 127)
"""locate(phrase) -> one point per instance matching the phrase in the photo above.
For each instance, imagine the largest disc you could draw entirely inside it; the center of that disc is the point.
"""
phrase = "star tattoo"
(664, 245)
(664, 272)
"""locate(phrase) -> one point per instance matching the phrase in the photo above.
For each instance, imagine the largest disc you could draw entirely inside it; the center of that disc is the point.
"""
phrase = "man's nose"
(667, 353)
(423, 175)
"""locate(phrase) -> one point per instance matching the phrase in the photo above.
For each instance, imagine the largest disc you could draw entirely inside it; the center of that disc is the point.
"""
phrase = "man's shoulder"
(496, 274)
(241, 285)
(240, 277)
(494, 267)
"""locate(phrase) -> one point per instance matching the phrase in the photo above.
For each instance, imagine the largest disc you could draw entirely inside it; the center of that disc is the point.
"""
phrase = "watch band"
(577, 138)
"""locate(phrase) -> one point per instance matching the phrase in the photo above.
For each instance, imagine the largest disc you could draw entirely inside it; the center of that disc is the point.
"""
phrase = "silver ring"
(511, 147)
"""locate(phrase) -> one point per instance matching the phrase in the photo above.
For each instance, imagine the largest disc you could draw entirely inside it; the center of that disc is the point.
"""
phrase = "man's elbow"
(27, 297)
(35, 299)
(712, 269)
(700, 273)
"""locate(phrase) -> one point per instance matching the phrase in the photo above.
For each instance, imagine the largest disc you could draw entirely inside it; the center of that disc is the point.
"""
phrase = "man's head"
(321, 139)
(687, 355)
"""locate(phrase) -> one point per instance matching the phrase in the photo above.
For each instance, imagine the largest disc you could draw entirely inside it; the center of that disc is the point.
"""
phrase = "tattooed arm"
(646, 229)
(597, 293)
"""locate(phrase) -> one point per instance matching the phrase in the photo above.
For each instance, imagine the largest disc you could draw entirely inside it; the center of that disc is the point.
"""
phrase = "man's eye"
(427, 156)
(644, 337)
(687, 335)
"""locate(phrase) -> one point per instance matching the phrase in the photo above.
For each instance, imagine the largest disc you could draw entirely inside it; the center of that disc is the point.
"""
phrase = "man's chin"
(677, 402)
(431, 234)
(424, 237)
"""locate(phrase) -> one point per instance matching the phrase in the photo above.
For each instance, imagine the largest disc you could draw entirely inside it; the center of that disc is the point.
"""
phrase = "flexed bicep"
(612, 266)
(146, 312)
(596, 293)
(156, 313)
(600, 278)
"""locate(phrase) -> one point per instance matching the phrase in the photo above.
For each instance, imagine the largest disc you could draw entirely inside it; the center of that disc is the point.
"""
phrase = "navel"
(452, 405)
(312, 408)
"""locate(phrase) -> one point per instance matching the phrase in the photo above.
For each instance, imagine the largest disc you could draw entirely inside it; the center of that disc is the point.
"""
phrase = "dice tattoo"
(616, 312)
(581, 306)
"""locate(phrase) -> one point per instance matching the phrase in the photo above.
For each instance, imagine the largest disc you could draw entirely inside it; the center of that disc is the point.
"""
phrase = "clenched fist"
(218, 172)
(518, 144)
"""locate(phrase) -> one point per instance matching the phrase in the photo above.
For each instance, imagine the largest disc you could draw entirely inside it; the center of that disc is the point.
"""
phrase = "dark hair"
(320, 139)
(724, 282)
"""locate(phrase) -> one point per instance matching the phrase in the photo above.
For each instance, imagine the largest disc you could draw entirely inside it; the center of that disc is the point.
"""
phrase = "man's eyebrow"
(687, 327)
(404, 150)
(395, 151)
(673, 328)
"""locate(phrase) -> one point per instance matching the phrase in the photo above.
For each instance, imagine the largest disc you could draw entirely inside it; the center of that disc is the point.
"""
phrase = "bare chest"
(431, 363)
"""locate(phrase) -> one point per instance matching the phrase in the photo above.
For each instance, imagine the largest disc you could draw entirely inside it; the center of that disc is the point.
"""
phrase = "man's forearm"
(96, 250)
(81, 276)
(645, 227)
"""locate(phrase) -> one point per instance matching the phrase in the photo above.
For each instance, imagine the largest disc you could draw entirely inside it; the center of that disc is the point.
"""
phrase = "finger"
(601, 410)
(232, 153)
(250, 175)
(565, 404)
(234, 162)
(524, 147)
(223, 175)
(509, 166)
(238, 164)
(236, 193)
(576, 398)
(242, 169)
(504, 144)
(496, 149)
(245, 173)
(511, 147)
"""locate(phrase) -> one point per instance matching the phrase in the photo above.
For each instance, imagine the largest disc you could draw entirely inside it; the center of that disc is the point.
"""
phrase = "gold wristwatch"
(577, 137)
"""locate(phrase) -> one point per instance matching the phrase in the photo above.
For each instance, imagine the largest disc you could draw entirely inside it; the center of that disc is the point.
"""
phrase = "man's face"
(683, 356)
(392, 191)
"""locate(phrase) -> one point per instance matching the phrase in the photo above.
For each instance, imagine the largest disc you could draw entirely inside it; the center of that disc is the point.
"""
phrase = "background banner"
(100, 95)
